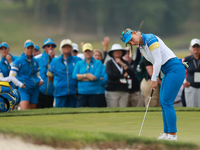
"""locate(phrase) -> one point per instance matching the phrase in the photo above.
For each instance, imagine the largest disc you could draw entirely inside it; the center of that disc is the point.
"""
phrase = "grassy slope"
(104, 125)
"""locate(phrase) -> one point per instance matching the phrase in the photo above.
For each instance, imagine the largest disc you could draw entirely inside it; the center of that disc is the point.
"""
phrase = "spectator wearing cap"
(118, 72)
(6, 60)
(36, 50)
(88, 73)
(26, 69)
(46, 96)
(60, 75)
(192, 81)
(75, 49)
(97, 54)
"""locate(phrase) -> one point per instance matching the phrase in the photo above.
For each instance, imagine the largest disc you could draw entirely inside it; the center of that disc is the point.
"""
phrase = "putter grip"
(151, 93)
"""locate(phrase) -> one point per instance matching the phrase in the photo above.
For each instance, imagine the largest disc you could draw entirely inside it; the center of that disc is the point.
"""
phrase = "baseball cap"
(126, 36)
(37, 47)
(28, 43)
(4, 44)
(194, 41)
(75, 46)
(87, 46)
(65, 42)
(48, 41)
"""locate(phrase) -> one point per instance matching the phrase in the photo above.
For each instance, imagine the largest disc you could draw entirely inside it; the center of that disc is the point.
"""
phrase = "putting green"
(127, 123)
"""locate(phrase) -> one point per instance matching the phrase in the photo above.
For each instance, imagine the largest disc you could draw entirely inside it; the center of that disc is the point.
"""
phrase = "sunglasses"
(197, 46)
(50, 45)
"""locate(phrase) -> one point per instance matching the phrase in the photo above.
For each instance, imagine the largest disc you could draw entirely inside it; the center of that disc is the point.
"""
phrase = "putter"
(146, 112)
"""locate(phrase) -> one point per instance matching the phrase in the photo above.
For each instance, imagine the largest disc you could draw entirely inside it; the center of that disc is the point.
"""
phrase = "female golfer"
(155, 51)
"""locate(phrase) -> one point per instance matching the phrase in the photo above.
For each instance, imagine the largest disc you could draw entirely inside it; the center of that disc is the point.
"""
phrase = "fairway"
(126, 123)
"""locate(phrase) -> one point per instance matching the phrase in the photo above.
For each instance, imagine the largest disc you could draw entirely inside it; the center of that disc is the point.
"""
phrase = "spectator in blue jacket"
(6, 61)
(46, 96)
(103, 80)
(26, 69)
(88, 73)
(60, 75)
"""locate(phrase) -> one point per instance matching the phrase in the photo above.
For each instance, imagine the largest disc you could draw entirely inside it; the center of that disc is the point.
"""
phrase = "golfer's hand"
(186, 84)
(23, 86)
(154, 84)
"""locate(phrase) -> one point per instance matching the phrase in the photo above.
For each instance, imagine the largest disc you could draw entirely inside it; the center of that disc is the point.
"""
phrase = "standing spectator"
(36, 50)
(134, 99)
(192, 82)
(26, 69)
(60, 75)
(88, 73)
(75, 49)
(118, 72)
(103, 80)
(46, 95)
(6, 60)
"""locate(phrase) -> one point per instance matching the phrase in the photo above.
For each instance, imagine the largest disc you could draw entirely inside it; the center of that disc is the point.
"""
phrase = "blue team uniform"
(65, 86)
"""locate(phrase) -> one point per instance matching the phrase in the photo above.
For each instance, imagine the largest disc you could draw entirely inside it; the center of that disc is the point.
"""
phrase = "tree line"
(162, 17)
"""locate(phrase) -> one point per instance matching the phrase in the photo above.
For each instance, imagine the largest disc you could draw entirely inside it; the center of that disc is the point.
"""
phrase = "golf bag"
(8, 97)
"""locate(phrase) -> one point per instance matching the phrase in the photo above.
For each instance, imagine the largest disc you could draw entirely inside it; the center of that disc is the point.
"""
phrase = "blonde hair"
(27, 41)
(127, 29)
(98, 50)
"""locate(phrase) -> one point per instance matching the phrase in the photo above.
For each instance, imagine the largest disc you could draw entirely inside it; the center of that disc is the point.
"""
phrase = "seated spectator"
(60, 75)
(88, 73)
(26, 69)
(135, 99)
(103, 80)
(192, 82)
(118, 72)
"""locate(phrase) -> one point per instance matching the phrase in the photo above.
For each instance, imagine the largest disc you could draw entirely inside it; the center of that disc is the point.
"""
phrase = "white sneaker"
(163, 136)
(172, 137)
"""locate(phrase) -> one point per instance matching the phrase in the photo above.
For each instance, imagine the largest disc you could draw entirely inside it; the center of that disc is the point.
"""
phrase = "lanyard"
(118, 67)
(7, 64)
(196, 65)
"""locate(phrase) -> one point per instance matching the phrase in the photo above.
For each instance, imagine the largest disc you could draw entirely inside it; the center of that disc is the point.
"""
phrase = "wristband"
(85, 75)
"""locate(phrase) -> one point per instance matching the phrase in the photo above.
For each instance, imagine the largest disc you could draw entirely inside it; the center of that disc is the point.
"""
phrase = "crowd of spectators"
(85, 79)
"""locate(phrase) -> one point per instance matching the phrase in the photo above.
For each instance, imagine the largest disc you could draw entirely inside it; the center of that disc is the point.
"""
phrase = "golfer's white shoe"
(163, 136)
(172, 137)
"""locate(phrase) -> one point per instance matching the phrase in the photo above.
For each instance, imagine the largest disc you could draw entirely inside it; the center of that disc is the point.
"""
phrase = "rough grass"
(100, 127)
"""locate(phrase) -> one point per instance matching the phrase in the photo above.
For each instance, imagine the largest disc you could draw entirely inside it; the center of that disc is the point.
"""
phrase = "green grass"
(94, 125)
